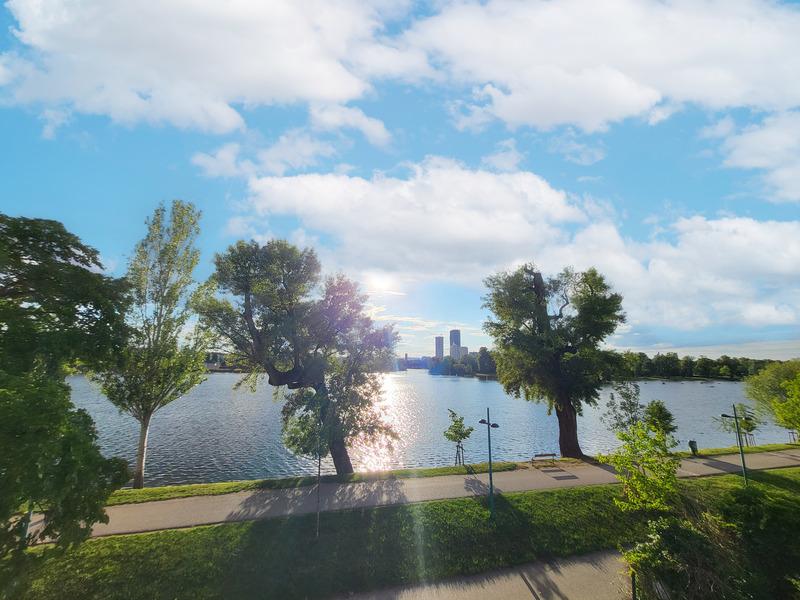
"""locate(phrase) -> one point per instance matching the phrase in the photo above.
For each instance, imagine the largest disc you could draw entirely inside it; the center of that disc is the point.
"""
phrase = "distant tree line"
(466, 366)
(670, 366)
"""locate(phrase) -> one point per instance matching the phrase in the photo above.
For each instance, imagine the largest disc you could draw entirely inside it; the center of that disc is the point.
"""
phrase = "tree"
(645, 467)
(628, 411)
(457, 433)
(767, 386)
(486, 364)
(55, 308)
(547, 337)
(787, 413)
(156, 368)
(659, 418)
(278, 322)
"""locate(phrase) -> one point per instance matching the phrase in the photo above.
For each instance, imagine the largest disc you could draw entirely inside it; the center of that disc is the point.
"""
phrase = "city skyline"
(420, 148)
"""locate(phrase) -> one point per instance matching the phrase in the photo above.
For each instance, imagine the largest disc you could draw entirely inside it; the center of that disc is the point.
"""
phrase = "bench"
(551, 457)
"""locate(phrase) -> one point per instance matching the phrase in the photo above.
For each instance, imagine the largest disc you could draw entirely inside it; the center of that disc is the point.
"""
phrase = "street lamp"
(735, 418)
(488, 422)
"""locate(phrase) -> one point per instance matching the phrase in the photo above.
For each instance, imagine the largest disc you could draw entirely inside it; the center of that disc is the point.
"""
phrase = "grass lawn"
(130, 496)
(373, 548)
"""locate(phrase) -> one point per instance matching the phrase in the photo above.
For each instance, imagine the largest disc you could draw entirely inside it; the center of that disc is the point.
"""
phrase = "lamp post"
(488, 422)
(735, 418)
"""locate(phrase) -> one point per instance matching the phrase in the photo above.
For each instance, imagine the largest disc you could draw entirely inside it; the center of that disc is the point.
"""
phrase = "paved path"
(595, 576)
(264, 504)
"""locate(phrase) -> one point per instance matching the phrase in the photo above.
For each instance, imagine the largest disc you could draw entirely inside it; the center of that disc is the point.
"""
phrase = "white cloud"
(190, 64)
(574, 151)
(334, 117)
(295, 150)
(448, 223)
(444, 220)
(773, 147)
(505, 158)
(589, 63)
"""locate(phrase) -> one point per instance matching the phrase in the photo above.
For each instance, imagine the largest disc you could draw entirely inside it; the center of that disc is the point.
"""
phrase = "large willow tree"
(164, 356)
(548, 337)
(306, 334)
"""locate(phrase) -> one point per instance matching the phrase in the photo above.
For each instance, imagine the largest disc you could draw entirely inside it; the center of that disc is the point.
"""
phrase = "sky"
(420, 147)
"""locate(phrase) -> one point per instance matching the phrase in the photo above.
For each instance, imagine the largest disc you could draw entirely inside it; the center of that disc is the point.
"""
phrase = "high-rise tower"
(439, 346)
(455, 343)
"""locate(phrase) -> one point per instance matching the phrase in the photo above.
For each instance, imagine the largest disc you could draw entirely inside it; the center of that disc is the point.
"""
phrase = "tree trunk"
(568, 431)
(341, 459)
(138, 478)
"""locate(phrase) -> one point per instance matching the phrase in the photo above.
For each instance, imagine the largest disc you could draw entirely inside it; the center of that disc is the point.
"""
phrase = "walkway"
(264, 504)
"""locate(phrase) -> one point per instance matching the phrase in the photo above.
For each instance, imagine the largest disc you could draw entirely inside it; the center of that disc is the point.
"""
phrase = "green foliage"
(625, 413)
(645, 467)
(457, 433)
(766, 386)
(547, 337)
(681, 562)
(659, 418)
(787, 413)
(54, 310)
(486, 364)
(280, 324)
(748, 422)
(157, 367)
(48, 456)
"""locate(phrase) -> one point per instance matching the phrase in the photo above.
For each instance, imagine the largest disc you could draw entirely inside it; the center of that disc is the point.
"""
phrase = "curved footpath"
(597, 576)
(265, 504)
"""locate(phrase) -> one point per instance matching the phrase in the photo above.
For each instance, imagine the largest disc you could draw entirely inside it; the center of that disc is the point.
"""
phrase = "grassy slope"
(373, 548)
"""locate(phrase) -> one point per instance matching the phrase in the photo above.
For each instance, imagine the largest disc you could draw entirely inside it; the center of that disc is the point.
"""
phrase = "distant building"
(464, 351)
(439, 346)
(455, 343)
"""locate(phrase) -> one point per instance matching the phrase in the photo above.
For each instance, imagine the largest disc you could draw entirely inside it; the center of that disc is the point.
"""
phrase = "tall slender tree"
(164, 357)
(547, 337)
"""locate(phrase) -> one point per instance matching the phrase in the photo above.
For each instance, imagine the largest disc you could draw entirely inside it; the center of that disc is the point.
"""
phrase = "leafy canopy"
(55, 309)
(547, 334)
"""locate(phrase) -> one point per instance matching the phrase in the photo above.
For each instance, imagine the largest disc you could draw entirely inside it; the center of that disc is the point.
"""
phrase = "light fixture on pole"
(736, 418)
(488, 422)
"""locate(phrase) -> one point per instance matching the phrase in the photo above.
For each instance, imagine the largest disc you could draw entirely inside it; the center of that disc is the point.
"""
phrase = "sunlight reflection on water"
(216, 434)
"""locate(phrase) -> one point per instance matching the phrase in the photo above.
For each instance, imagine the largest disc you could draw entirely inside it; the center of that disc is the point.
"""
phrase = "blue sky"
(420, 147)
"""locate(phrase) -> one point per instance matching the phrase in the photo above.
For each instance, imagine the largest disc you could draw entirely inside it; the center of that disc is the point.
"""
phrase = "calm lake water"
(215, 434)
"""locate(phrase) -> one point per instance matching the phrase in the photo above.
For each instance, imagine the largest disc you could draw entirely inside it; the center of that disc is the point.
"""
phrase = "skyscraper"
(455, 343)
(439, 346)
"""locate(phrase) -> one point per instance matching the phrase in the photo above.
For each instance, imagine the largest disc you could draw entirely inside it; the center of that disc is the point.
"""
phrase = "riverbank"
(151, 494)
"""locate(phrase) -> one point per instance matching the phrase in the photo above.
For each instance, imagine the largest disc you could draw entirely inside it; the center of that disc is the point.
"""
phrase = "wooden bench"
(551, 457)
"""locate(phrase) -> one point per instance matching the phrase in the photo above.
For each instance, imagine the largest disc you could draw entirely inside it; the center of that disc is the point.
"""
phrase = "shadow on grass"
(775, 479)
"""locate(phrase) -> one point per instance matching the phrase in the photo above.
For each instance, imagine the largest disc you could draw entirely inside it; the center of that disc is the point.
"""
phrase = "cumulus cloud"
(542, 64)
(444, 219)
(191, 65)
(575, 151)
(590, 63)
(337, 117)
(294, 150)
(505, 158)
(445, 222)
(772, 147)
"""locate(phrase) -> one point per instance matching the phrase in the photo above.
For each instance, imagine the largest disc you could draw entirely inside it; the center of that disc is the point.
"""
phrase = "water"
(215, 434)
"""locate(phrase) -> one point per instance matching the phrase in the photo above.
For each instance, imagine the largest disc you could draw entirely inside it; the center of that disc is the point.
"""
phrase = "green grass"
(374, 548)
(130, 496)
(735, 450)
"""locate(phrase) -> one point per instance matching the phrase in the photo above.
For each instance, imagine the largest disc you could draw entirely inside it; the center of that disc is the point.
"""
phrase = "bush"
(680, 562)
